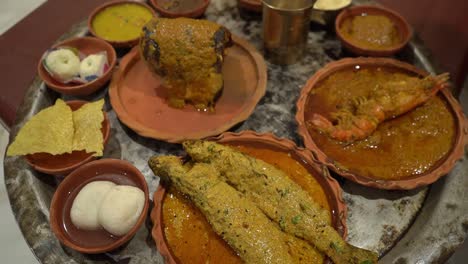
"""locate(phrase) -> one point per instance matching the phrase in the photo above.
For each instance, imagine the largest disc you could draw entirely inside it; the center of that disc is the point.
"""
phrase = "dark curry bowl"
(251, 5)
(194, 12)
(440, 168)
(251, 139)
(401, 25)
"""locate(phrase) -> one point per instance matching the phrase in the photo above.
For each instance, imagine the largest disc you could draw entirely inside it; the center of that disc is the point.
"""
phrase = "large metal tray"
(420, 226)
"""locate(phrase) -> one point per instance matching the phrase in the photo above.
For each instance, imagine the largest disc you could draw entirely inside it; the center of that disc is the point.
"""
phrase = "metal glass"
(285, 29)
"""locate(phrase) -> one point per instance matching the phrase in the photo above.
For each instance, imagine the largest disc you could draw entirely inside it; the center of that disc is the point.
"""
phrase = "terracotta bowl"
(86, 45)
(270, 142)
(251, 5)
(399, 22)
(193, 12)
(92, 242)
(66, 163)
(440, 168)
(116, 43)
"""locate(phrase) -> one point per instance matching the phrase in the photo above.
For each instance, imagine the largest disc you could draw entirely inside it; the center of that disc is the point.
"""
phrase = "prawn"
(359, 117)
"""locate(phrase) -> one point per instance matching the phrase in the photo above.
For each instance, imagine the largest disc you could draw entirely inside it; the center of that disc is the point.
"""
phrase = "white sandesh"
(63, 64)
(93, 66)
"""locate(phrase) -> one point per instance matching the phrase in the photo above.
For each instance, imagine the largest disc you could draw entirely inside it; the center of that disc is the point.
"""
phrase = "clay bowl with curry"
(181, 8)
(372, 30)
(120, 22)
(184, 235)
(381, 122)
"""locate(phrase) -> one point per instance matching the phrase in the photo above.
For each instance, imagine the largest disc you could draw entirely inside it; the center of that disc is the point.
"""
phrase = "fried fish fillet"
(241, 224)
(279, 198)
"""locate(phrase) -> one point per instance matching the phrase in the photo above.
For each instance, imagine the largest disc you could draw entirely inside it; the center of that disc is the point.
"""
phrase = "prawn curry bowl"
(381, 122)
(211, 210)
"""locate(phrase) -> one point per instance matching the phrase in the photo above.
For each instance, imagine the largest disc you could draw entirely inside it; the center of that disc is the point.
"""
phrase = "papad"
(88, 122)
(51, 131)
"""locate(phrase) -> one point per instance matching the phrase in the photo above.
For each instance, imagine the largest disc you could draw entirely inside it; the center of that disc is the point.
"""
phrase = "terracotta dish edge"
(150, 133)
(335, 189)
(406, 184)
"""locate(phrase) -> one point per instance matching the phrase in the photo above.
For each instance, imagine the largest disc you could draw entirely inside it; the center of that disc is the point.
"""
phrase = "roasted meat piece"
(188, 55)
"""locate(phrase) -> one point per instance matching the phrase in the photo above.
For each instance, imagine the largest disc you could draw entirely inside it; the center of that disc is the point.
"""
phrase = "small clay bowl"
(116, 43)
(87, 46)
(120, 172)
(251, 5)
(440, 168)
(195, 9)
(270, 142)
(401, 25)
(63, 164)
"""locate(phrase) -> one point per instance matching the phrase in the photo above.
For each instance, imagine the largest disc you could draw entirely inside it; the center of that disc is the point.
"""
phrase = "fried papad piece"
(49, 131)
(280, 198)
(236, 219)
(88, 123)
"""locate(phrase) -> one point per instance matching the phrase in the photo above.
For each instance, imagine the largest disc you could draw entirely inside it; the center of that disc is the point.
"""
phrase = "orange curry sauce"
(190, 237)
(408, 145)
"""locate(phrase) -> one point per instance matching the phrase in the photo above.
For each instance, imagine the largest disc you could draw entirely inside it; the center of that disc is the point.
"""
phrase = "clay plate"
(123, 172)
(138, 99)
(445, 164)
(66, 163)
(195, 12)
(87, 46)
(116, 43)
(400, 23)
(262, 140)
(252, 5)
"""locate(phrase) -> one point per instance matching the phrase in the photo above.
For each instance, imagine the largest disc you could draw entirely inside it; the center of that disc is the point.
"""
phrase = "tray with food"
(198, 149)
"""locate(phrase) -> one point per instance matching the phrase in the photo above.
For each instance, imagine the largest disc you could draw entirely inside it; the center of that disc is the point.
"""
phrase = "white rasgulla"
(121, 209)
(85, 207)
(63, 64)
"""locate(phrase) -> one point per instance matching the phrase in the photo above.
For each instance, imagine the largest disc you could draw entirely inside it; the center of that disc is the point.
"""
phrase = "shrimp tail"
(439, 82)
(321, 123)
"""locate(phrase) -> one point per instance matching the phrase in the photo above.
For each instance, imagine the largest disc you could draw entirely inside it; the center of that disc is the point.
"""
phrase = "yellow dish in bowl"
(120, 23)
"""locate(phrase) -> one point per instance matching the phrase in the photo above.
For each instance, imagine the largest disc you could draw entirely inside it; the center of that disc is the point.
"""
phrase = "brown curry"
(370, 31)
(191, 238)
(402, 147)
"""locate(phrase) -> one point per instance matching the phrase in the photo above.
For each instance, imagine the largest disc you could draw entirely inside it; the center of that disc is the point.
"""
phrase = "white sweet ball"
(121, 209)
(63, 64)
(85, 207)
(92, 67)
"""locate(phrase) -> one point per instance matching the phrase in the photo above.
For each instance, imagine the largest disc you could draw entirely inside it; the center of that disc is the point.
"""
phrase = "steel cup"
(285, 28)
